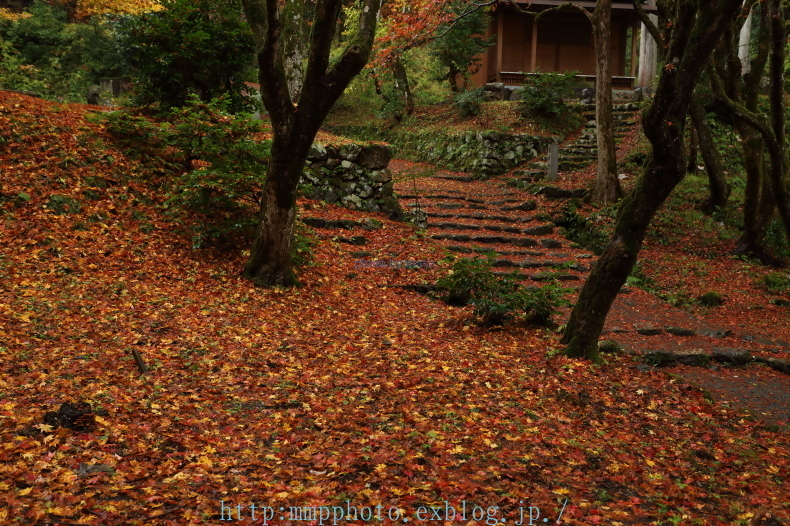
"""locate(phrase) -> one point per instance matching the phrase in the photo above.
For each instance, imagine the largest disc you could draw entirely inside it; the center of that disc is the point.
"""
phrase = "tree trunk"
(648, 52)
(719, 189)
(696, 29)
(294, 48)
(402, 88)
(691, 166)
(759, 205)
(270, 256)
(294, 126)
(607, 186)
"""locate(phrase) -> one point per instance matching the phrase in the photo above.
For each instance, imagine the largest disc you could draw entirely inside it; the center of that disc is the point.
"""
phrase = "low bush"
(218, 165)
(468, 102)
(499, 300)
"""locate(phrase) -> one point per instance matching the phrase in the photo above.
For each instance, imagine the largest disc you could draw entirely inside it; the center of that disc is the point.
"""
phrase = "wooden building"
(558, 41)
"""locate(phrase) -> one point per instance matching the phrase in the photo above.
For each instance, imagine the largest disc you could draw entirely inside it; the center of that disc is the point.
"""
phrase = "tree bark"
(294, 126)
(402, 87)
(719, 188)
(695, 31)
(607, 186)
(691, 166)
(294, 49)
(648, 52)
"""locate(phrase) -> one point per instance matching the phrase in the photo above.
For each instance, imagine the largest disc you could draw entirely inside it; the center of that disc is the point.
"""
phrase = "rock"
(75, 416)
(775, 363)
(375, 156)
(541, 230)
(649, 330)
(350, 152)
(609, 347)
(491, 135)
(370, 224)
(733, 356)
(659, 357)
(93, 95)
(346, 164)
(714, 333)
(391, 206)
(550, 243)
(698, 358)
(680, 331)
(526, 206)
(352, 201)
(645, 368)
(353, 240)
(317, 153)
(381, 176)
(90, 469)
(711, 299)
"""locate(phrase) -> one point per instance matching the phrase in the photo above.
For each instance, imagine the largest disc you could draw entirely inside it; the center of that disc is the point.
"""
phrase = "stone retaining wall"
(352, 175)
(482, 153)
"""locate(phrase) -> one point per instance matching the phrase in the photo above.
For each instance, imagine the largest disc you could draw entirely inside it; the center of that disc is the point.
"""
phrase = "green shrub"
(190, 46)
(776, 281)
(55, 59)
(499, 300)
(711, 299)
(468, 279)
(543, 95)
(468, 102)
(219, 165)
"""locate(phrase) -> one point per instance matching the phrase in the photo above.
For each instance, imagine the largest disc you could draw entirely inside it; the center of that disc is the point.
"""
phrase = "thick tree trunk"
(719, 188)
(607, 186)
(648, 53)
(294, 45)
(614, 265)
(270, 255)
(294, 126)
(696, 29)
(759, 205)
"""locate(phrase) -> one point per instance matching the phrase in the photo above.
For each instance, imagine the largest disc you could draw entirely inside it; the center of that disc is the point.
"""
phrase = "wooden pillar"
(500, 21)
(534, 64)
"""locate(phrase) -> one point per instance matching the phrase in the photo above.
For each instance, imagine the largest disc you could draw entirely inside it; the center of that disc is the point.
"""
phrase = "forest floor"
(348, 392)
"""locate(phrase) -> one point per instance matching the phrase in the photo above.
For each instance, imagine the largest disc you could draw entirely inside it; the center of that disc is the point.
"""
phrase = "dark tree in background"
(192, 46)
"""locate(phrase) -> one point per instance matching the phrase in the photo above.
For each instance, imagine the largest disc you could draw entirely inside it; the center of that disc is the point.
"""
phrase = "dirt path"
(469, 217)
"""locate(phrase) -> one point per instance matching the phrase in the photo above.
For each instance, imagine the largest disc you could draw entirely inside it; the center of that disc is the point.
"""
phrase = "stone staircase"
(499, 220)
(579, 153)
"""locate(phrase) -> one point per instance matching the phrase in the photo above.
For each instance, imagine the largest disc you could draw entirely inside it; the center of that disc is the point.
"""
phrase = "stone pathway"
(470, 217)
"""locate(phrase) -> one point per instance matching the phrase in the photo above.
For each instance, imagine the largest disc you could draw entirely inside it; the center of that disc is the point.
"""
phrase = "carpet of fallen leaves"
(344, 392)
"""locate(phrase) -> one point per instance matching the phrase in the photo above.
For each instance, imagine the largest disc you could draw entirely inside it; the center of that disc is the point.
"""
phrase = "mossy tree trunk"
(294, 126)
(696, 29)
(717, 182)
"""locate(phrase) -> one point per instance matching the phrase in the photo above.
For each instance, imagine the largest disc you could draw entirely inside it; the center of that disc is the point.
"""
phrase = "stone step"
(519, 242)
(540, 230)
(440, 196)
(458, 206)
(503, 219)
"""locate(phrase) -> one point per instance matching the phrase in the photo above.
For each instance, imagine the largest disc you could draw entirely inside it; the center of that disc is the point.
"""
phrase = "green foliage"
(543, 95)
(711, 299)
(191, 46)
(776, 282)
(498, 300)
(468, 102)
(458, 49)
(220, 164)
(469, 279)
(302, 244)
(57, 60)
